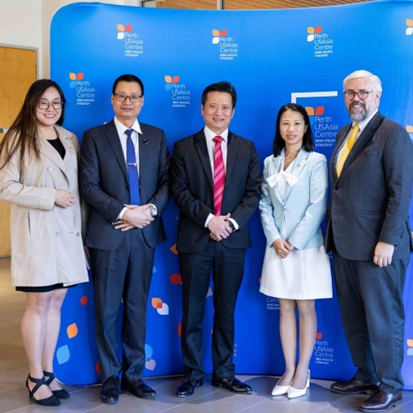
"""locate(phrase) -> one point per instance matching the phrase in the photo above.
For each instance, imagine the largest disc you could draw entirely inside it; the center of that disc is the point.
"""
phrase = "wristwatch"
(154, 211)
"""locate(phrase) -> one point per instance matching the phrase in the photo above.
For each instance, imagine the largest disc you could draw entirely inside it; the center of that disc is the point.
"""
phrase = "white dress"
(303, 274)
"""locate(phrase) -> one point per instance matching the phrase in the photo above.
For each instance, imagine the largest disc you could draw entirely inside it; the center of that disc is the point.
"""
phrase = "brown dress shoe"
(380, 402)
(354, 386)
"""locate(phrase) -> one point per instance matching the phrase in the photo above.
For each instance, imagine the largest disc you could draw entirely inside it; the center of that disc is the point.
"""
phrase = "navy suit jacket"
(370, 200)
(104, 183)
(193, 190)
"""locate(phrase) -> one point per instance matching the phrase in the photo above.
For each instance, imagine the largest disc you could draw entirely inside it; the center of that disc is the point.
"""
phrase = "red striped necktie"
(219, 176)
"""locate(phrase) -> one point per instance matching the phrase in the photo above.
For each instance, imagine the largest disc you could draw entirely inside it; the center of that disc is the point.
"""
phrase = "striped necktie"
(219, 176)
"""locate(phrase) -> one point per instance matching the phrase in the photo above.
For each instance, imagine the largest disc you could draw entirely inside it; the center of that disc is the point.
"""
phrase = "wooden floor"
(207, 399)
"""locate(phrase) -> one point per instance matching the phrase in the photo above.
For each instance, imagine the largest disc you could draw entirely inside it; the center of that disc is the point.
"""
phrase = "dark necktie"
(135, 198)
(219, 176)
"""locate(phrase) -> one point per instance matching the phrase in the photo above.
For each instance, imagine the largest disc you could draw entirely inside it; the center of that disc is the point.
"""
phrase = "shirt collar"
(121, 128)
(209, 134)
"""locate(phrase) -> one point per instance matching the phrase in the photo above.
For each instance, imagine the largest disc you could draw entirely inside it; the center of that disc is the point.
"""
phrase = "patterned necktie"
(135, 198)
(347, 148)
(219, 176)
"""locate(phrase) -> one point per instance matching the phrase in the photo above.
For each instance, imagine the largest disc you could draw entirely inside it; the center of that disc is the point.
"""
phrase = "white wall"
(20, 25)
(26, 23)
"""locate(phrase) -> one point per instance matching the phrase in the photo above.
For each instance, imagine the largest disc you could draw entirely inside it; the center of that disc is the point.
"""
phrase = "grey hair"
(374, 80)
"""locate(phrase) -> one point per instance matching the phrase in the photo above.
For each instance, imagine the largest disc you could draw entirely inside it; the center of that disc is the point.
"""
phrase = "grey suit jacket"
(104, 183)
(370, 200)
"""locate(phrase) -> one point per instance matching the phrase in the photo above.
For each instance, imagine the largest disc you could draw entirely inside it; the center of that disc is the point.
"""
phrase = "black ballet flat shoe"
(49, 401)
(60, 394)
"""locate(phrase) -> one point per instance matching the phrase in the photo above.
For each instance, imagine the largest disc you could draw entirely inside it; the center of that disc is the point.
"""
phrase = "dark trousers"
(372, 311)
(124, 274)
(227, 265)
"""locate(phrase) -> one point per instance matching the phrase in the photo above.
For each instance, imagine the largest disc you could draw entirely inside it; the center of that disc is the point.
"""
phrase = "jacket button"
(57, 233)
(78, 234)
(50, 169)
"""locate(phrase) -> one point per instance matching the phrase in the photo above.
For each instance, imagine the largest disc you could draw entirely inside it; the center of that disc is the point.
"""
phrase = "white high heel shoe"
(293, 393)
(279, 390)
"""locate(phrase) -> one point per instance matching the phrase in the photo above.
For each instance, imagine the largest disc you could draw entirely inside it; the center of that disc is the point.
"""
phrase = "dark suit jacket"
(370, 200)
(104, 183)
(193, 190)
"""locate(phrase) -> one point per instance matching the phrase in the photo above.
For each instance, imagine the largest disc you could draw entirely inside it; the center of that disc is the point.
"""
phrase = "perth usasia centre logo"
(323, 44)
(228, 48)
(132, 43)
(85, 92)
(180, 94)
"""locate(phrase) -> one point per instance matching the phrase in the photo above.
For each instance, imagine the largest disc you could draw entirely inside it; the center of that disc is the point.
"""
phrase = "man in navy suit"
(124, 177)
(210, 240)
(371, 173)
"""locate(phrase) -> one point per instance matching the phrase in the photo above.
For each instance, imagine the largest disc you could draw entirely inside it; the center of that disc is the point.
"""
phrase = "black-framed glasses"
(121, 97)
(362, 94)
(45, 104)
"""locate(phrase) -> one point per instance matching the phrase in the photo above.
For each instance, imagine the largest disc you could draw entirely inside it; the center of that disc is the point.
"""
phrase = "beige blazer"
(46, 240)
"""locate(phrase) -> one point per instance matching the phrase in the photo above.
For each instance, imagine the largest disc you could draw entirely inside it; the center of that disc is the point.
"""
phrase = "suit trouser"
(372, 311)
(227, 265)
(122, 274)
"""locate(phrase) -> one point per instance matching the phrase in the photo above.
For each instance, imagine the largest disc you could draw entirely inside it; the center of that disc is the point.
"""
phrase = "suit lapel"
(232, 153)
(276, 168)
(47, 150)
(114, 142)
(202, 150)
(365, 136)
(297, 168)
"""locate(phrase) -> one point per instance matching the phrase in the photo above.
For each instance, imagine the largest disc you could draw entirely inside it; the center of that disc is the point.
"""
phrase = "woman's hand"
(282, 248)
(64, 198)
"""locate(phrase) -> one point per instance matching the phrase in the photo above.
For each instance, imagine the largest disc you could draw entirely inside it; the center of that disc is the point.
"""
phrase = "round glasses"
(362, 94)
(45, 104)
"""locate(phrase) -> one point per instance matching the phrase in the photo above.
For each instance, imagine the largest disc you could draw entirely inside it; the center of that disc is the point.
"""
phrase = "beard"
(354, 111)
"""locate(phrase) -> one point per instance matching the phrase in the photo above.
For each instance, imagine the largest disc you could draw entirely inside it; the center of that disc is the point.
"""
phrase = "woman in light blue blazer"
(296, 267)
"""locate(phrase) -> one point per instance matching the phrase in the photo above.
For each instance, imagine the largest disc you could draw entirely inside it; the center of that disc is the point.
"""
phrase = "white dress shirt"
(209, 136)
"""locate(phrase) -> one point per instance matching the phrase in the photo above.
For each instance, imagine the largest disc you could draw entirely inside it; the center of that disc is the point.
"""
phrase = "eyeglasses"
(362, 94)
(45, 105)
(121, 98)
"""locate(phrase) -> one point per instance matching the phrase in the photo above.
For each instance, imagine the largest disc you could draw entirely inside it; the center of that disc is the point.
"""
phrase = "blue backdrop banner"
(270, 62)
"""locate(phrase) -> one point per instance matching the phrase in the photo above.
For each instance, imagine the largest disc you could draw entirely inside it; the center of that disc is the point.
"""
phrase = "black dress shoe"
(138, 388)
(380, 402)
(354, 386)
(232, 384)
(187, 387)
(110, 390)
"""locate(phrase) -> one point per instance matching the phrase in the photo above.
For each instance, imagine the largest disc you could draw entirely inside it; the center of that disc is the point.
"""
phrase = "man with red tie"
(216, 185)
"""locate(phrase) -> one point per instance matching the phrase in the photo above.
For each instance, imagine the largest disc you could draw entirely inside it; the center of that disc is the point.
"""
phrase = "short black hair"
(129, 79)
(279, 144)
(223, 87)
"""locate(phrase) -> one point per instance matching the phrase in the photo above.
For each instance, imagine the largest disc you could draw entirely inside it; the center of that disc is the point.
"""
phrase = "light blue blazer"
(305, 203)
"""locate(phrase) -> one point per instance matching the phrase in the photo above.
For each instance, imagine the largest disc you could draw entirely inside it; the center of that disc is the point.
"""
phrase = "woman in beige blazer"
(38, 176)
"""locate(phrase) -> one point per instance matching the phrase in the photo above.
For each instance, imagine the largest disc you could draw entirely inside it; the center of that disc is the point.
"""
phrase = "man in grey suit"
(371, 173)
(124, 177)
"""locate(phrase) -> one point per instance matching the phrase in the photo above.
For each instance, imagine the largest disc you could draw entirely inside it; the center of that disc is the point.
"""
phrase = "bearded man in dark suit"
(371, 173)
